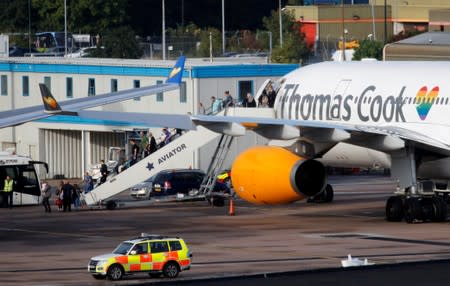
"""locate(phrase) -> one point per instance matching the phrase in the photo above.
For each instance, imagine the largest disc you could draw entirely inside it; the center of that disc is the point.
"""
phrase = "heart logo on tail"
(425, 100)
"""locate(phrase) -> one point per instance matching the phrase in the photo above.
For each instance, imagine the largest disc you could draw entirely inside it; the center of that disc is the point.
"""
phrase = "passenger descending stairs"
(176, 154)
(215, 166)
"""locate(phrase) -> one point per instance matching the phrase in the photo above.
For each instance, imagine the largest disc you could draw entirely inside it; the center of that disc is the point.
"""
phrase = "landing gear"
(416, 209)
(415, 200)
(326, 196)
(394, 208)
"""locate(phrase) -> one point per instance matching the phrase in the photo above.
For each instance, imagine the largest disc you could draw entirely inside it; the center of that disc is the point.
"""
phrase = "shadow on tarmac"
(412, 274)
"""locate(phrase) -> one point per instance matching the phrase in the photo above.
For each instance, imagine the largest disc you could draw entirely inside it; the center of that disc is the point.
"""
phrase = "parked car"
(143, 189)
(153, 254)
(174, 182)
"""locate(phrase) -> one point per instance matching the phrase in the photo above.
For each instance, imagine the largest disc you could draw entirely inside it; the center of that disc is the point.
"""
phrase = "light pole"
(281, 23)
(270, 45)
(373, 22)
(163, 30)
(343, 31)
(223, 27)
(29, 26)
(65, 28)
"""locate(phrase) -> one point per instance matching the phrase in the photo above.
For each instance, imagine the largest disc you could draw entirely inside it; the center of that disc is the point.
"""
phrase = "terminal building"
(71, 145)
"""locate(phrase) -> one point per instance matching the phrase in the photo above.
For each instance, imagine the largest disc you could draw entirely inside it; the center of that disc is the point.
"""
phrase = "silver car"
(143, 189)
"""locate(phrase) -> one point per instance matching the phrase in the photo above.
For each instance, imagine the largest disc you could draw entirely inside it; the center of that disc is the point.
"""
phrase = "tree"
(369, 49)
(97, 16)
(83, 16)
(216, 42)
(294, 47)
(119, 43)
(14, 15)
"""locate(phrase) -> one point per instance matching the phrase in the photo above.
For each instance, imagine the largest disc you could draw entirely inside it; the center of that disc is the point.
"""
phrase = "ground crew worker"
(8, 191)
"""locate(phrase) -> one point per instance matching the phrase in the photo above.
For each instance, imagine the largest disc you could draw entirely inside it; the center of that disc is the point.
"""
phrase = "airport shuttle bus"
(22, 169)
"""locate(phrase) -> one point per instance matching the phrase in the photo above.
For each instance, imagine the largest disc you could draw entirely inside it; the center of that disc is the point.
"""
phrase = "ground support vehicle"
(23, 171)
(153, 254)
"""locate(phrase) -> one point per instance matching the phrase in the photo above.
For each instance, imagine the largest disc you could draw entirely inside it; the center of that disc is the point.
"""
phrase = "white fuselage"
(411, 96)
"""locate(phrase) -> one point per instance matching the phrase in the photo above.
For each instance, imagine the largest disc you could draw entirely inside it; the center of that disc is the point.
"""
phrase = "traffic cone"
(231, 209)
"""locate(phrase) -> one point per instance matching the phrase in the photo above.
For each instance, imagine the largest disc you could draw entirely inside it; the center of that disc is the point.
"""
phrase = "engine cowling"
(274, 175)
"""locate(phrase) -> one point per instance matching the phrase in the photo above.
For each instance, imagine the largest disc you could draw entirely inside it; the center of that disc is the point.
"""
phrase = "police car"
(153, 254)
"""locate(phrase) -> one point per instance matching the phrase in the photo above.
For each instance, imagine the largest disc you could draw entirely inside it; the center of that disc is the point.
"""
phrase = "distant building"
(71, 145)
(325, 23)
(431, 46)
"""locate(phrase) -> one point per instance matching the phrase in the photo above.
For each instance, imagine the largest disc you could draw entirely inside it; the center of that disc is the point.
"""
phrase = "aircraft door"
(262, 88)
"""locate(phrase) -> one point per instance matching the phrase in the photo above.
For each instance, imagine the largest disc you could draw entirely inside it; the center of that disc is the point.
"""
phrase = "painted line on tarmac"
(52, 233)
(414, 254)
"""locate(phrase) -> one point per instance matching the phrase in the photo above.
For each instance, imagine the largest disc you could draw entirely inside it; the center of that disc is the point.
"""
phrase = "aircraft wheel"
(218, 202)
(440, 209)
(394, 209)
(413, 210)
(328, 194)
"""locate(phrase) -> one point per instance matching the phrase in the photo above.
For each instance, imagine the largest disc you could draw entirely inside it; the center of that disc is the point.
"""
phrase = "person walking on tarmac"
(67, 190)
(8, 191)
(46, 194)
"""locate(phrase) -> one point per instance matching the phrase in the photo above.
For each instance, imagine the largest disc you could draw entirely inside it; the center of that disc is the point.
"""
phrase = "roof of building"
(196, 68)
(429, 38)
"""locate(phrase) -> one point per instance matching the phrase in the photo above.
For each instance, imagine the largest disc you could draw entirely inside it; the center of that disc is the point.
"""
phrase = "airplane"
(397, 109)
(72, 107)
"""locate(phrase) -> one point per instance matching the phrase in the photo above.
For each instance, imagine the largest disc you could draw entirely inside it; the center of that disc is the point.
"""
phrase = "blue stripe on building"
(58, 119)
(239, 70)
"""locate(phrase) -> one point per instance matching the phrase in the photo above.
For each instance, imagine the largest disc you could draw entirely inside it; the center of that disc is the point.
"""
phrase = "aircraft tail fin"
(176, 73)
(50, 104)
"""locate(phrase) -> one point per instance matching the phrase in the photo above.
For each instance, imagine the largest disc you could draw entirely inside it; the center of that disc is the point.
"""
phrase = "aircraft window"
(415, 100)
(433, 100)
(446, 101)
(409, 100)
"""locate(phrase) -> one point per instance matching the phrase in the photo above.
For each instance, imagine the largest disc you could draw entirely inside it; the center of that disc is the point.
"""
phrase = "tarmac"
(39, 248)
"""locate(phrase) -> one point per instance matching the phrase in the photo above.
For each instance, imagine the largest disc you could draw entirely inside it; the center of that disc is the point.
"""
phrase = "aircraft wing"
(364, 133)
(149, 119)
(71, 107)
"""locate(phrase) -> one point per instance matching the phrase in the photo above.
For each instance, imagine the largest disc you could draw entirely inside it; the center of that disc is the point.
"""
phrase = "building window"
(183, 96)
(69, 87)
(91, 87)
(244, 86)
(137, 84)
(25, 86)
(48, 82)
(114, 85)
(4, 85)
(159, 95)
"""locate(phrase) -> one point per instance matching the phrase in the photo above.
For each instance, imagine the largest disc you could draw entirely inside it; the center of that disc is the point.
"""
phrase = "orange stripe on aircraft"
(249, 124)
